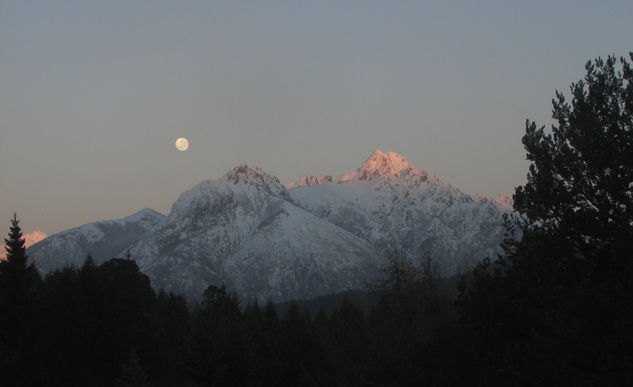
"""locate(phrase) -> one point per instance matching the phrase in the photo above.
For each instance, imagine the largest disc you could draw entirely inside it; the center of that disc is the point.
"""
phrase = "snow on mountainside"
(501, 201)
(102, 240)
(263, 241)
(308, 180)
(391, 204)
(241, 231)
(29, 240)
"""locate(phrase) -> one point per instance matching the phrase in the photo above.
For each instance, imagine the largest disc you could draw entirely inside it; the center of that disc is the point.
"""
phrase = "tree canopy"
(556, 305)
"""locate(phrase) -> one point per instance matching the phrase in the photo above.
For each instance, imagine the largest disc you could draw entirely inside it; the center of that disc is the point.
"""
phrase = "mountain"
(264, 241)
(102, 240)
(29, 240)
(242, 231)
(394, 205)
(502, 201)
(308, 180)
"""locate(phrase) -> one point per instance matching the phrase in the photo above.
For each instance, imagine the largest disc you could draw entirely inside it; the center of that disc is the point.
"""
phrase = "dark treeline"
(104, 325)
(556, 308)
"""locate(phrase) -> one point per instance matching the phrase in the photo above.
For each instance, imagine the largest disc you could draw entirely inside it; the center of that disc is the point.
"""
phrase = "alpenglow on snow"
(264, 241)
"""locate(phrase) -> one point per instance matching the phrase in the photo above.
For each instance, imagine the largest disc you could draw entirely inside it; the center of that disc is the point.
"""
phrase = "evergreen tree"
(18, 279)
(18, 289)
(216, 347)
(580, 180)
(558, 305)
(16, 251)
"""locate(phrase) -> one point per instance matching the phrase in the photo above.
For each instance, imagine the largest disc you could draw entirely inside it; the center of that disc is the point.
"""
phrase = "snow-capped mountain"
(266, 242)
(242, 231)
(29, 240)
(308, 180)
(393, 205)
(102, 240)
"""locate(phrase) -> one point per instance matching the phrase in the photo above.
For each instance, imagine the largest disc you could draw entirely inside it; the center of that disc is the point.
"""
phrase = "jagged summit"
(255, 176)
(305, 181)
(243, 174)
(379, 164)
(389, 165)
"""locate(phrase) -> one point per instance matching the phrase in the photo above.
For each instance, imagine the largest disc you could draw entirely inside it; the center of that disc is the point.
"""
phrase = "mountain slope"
(391, 204)
(102, 240)
(248, 232)
(241, 231)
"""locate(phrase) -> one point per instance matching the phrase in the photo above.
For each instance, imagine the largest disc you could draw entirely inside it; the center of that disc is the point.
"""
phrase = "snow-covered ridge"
(379, 164)
(242, 231)
(264, 241)
(102, 240)
(392, 204)
(502, 201)
(308, 180)
(243, 174)
(388, 166)
(213, 192)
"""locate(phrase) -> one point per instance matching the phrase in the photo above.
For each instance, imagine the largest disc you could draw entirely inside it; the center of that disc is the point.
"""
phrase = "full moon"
(182, 144)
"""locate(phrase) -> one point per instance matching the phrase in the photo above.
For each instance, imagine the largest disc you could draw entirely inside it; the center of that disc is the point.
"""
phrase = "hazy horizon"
(94, 94)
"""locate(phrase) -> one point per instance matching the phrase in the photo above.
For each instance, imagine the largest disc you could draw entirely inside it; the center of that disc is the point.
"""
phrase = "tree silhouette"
(18, 289)
(556, 306)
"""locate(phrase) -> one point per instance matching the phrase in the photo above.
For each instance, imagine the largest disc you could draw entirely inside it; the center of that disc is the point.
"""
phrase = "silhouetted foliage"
(132, 374)
(19, 288)
(216, 347)
(554, 307)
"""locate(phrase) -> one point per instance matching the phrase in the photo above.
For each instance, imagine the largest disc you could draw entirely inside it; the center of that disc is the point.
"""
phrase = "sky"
(93, 94)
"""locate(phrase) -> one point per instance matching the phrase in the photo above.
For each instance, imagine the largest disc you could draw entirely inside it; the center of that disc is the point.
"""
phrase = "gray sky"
(93, 94)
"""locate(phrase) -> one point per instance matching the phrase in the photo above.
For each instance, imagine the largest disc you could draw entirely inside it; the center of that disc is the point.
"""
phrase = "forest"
(556, 308)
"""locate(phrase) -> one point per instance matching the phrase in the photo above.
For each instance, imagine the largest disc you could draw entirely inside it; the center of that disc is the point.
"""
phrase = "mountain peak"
(255, 176)
(380, 164)
(248, 175)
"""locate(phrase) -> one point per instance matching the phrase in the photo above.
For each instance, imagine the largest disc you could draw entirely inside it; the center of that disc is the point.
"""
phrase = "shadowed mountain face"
(248, 232)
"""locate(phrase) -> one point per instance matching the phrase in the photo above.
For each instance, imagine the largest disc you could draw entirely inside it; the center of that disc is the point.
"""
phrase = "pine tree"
(14, 274)
(16, 251)
(580, 182)
(18, 287)
(558, 305)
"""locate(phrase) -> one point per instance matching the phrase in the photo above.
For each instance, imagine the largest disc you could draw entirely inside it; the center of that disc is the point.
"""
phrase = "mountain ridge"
(265, 241)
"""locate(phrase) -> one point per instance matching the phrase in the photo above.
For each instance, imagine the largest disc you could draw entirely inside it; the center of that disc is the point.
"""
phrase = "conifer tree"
(18, 285)
(16, 251)
(556, 305)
